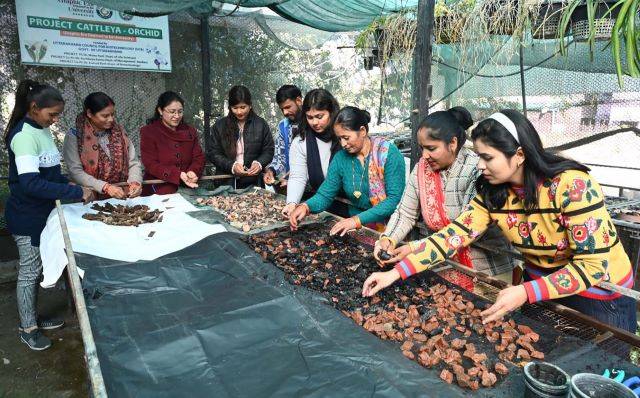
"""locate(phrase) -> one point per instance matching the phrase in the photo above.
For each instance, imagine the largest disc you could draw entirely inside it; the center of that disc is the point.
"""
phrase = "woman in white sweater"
(313, 147)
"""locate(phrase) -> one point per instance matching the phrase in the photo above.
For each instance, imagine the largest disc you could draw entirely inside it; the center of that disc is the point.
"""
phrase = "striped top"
(569, 241)
(35, 180)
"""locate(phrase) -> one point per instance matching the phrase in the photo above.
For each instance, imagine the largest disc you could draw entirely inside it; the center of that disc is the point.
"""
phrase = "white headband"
(506, 123)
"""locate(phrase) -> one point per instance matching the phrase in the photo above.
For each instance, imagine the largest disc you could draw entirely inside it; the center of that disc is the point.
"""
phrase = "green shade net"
(328, 15)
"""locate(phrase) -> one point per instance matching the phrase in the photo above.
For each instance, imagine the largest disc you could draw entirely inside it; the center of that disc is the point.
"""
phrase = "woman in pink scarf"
(439, 189)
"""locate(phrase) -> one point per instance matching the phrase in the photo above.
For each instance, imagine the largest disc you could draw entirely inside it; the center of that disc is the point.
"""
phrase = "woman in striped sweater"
(550, 209)
(35, 182)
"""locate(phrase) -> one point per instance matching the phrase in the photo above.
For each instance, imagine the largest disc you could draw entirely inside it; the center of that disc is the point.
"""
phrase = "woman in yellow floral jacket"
(550, 209)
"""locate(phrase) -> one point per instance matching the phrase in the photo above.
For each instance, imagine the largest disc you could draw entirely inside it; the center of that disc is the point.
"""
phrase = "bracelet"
(357, 220)
(390, 239)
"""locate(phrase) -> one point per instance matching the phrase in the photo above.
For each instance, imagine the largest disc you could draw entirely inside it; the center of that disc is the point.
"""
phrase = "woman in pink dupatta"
(439, 189)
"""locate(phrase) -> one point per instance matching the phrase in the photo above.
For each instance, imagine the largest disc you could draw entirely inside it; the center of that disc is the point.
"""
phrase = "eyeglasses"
(173, 112)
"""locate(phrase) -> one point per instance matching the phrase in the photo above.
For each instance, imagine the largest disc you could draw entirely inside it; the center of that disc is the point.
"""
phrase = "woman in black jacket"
(241, 142)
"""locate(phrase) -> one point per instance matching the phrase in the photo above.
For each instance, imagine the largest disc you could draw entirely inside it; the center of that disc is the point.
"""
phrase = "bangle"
(390, 239)
(357, 220)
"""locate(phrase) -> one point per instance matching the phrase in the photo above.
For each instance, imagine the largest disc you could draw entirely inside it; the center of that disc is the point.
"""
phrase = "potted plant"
(589, 20)
(545, 20)
(593, 20)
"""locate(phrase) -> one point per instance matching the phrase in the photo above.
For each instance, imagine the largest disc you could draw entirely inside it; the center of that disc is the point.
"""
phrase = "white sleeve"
(298, 175)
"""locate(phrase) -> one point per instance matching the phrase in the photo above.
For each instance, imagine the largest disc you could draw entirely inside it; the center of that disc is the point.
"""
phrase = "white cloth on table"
(124, 243)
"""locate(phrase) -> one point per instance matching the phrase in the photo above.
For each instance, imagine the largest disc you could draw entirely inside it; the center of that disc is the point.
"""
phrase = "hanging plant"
(450, 20)
(625, 31)
(588, 20)
(546, 20)
(501, 16)
(593, 20)
(386, 36)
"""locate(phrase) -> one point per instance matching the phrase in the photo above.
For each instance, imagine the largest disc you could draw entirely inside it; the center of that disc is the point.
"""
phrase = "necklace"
(357, 192)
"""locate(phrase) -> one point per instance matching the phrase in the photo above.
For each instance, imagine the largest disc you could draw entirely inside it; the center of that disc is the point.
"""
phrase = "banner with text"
(77, 34)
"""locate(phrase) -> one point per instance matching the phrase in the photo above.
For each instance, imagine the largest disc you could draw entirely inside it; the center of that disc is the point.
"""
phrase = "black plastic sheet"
(214, 320)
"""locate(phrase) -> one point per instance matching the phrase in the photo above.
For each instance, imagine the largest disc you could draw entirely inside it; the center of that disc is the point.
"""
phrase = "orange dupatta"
(431, 194)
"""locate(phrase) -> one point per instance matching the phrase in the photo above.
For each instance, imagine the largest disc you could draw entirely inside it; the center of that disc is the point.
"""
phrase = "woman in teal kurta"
(370, 172)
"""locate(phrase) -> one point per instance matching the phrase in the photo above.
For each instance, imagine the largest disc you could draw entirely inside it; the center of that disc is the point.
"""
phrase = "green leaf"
(515, 200)
(594, 193)
(589, 197)
(434, 256)
(566, 202)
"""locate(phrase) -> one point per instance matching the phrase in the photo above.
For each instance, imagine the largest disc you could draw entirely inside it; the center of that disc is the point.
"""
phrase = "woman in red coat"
(169, 148)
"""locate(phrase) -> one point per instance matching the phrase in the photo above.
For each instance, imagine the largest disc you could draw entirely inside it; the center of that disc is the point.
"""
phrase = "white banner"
(77, 34)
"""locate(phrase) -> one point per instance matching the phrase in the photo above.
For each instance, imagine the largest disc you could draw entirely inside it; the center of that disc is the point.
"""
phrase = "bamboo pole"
(91, 355)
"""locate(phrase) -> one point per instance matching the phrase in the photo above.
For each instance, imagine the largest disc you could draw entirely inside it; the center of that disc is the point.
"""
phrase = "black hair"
(539, 164)
(230, 130)
(447, 125)
(321, 100)
(95, 102)
(164, 100)
(352, 118)
(29, 91)
(288, 92)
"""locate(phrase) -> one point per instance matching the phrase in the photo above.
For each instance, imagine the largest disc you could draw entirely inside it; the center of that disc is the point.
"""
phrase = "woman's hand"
(297, 215)
(114, 192)
(255, 168)
(398, 254)
(238, 170)
(382, 245)
(135, 189)
(286, 211)
(188, 181)
(508, 300)
(378, 281)
(193, 177)
(87, 195)
(344, 226)
(269, 178)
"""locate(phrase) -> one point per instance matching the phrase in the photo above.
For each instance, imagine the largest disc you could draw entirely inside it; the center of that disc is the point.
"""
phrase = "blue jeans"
(620, 312)
(29, 275)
